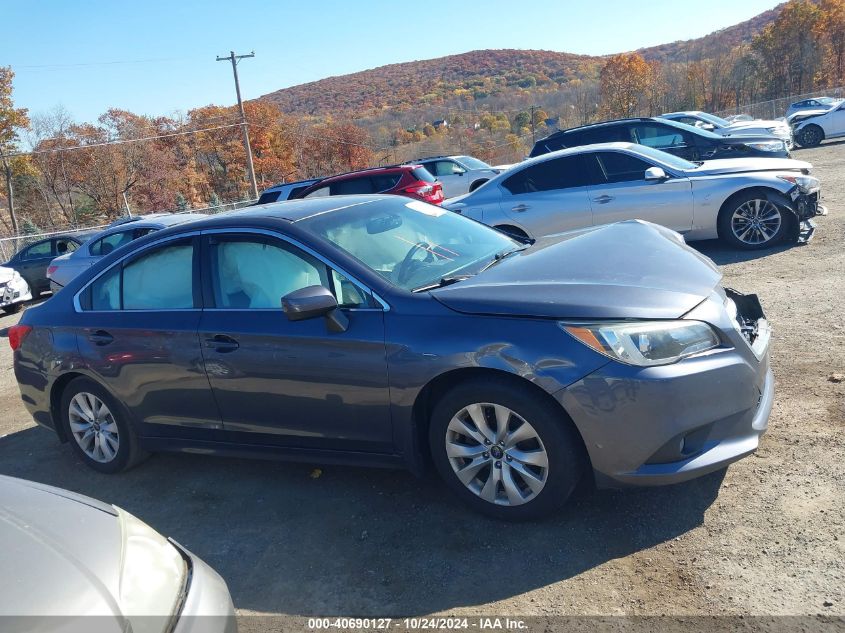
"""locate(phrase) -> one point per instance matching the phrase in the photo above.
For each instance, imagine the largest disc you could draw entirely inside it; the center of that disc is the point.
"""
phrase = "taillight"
(420, 189)
(17, 333)
(51, 270)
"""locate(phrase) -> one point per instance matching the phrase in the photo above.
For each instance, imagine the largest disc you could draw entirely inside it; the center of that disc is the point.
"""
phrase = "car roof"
(294, 210)
(683, 113)
(570, 151)
(372, 170)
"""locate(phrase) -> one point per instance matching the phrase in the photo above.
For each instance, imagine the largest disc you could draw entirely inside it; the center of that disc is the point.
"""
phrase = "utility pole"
(249, 168)
(533, 126)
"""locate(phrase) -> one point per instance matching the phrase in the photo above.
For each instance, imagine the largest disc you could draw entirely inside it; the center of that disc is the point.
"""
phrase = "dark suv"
(413, 181)
(683, 140)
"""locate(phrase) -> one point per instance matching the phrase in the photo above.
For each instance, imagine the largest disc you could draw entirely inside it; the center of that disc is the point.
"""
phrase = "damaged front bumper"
(805, 205)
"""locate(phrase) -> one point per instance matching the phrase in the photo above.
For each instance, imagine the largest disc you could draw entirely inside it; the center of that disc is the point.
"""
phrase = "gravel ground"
(765, 537)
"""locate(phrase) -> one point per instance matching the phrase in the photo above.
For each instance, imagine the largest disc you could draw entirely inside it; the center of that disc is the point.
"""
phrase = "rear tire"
(810, 136)
(13, 309)
(97, 428)
(751, 221)
(504, 451)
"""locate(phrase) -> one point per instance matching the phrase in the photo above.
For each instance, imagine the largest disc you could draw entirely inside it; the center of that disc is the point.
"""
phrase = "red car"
(413, 181)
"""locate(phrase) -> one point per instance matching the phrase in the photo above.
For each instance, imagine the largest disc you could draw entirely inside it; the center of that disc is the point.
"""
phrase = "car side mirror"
(314, 301)
(457, 171)
(655, 173)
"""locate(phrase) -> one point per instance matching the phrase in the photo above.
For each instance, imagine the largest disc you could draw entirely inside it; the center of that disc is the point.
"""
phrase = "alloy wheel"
(756, 222)
(497, 454)
(93, 427)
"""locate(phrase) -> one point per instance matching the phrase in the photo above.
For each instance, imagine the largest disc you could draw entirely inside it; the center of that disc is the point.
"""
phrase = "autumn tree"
(624, 80)
(11, 120)
(832, 30)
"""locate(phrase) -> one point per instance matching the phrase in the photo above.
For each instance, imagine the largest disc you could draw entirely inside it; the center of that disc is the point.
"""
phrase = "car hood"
(65, 549)
(756, 124)
(750, 136)
(803, 115)
(745, 165)
(632, 269)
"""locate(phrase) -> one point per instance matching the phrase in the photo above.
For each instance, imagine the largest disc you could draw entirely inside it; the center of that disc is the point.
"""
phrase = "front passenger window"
(256, 274)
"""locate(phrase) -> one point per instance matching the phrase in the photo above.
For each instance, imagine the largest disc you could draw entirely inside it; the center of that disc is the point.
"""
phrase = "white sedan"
(723, 127)
(812, 130)
(14, 290)
(748, 202)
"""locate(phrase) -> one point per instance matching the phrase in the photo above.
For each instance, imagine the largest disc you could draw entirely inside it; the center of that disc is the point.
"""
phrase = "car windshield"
(715, 120)
(473, 163)
(670, 160)
(412, 244)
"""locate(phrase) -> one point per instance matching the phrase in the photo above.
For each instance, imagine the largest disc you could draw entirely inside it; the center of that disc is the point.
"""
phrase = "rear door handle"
(100, 337)
(521, 207)
(603, 199)
(222, 343)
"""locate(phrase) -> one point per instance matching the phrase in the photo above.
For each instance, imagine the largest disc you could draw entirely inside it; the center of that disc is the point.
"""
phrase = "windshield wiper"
(444, 281)
(501, 255)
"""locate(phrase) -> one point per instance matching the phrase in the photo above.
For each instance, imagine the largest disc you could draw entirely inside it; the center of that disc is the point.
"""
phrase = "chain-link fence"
(776, 108)
(14, 243)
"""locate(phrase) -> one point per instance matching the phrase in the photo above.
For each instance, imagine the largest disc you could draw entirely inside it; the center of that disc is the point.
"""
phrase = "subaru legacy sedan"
(391, 332)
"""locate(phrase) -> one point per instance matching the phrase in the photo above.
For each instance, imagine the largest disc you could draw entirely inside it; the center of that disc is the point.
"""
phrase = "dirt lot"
(765, 537)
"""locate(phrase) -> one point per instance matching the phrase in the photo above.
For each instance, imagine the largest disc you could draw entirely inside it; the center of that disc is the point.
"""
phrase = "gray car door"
(291, 383)
(548, 197)
(619, 191)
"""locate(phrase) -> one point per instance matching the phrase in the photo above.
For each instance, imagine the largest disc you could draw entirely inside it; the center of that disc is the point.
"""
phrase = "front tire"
(97, 427)
(504, 451)
(811, 136)
(752, 222)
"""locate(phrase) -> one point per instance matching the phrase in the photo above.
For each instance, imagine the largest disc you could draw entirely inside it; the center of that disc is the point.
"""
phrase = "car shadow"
(722, 253)
(304, 540)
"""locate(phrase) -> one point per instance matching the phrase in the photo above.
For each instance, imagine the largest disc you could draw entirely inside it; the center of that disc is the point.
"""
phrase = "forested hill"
(482, 74)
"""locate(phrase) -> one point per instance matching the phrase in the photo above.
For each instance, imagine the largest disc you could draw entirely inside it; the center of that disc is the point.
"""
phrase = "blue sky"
(157, 57)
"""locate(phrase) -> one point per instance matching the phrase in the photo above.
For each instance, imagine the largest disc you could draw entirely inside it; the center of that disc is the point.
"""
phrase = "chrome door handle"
(521, 207)
(603, 199)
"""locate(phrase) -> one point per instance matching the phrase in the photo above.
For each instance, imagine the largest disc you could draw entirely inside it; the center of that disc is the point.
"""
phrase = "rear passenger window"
(268, 196)
(162, 279)
(550, 175)
(352, 186)
(385, 182)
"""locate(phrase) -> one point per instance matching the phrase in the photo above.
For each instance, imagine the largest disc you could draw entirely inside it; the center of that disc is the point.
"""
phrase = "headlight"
(152, 575)
(805, 183)
(768, 146)
(646, 343)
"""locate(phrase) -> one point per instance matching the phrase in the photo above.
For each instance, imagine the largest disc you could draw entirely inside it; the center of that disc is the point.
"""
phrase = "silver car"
(71, 563)
(457, 174)
(750, 203)
(64, 268)
(723, 127)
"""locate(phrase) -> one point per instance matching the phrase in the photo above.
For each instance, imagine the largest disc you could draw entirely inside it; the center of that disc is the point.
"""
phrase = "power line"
(121, 141)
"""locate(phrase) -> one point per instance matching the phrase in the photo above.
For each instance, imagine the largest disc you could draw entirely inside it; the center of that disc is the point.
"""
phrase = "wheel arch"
(773, 195)
(475, 184)
(512, 229)
(441, 384)
(57, 390)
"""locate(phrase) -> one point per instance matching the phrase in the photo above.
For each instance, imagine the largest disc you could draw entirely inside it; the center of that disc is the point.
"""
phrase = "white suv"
(457, 174)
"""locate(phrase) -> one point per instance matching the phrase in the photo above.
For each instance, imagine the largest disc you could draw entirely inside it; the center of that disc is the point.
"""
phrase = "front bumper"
(207, 606)
(668, 424)
(12, 293)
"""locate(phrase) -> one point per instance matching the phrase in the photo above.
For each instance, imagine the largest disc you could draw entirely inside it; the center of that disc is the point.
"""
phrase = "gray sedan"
(750, 203)
(64, 268)
(71, 563)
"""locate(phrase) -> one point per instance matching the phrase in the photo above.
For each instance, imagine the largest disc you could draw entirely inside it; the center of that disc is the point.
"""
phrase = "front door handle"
(222, 343)
(100, 337)
(521, 207)
(603, 199)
